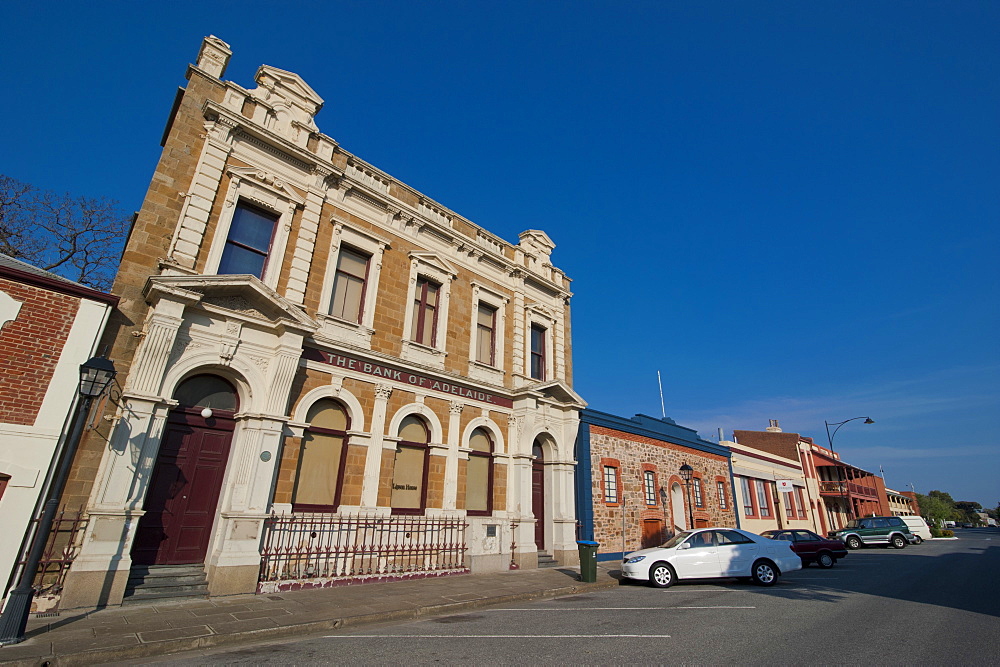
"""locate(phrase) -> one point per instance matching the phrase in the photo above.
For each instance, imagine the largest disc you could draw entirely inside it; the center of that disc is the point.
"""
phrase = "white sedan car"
(712, 552)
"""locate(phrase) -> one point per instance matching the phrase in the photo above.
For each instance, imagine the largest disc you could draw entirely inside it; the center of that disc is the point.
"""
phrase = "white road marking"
(497, 637)
(614, 608)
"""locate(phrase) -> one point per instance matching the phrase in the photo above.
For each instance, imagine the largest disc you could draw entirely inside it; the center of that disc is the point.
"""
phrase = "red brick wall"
(30, 347)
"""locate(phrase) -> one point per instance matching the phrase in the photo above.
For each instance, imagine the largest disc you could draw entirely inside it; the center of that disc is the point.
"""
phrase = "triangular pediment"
(435, 261)
(243, 296)
(558, 391)
(279, 83)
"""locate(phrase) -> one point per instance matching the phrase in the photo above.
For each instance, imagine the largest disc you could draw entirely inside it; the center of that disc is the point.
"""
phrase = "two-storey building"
(327, 374)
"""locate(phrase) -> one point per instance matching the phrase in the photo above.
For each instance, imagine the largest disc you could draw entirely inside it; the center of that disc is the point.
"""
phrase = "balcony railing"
(317, 550)
(847, 488)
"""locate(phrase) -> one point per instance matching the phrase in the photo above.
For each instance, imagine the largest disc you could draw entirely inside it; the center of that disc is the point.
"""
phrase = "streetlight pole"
(96, 376)
(687, 472)
(829, 439)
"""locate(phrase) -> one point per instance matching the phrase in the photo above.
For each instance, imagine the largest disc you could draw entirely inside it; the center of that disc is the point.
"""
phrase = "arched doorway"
(677, 506)
(538, 493)
(186, 481)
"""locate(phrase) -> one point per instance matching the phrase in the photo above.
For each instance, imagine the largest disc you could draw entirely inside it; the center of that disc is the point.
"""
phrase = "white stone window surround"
(371, 245)
(433, 268)
(492, 373)
(268, 192)
(536, 315)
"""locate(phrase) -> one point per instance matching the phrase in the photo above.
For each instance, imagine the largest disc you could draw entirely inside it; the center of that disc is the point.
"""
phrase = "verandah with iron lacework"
(391, 372)
(321, 550)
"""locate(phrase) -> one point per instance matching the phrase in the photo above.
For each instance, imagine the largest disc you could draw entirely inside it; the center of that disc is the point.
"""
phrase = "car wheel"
(662, 576)
(764, 573)
(853, 542)
(918, 539)
(898, 541)
(825, 560)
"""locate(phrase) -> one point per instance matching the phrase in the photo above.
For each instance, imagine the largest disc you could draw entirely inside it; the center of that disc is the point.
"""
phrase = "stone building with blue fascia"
(630, 492)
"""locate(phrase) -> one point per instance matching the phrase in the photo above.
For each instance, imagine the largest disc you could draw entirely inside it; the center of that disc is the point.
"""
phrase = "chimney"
(773, 428)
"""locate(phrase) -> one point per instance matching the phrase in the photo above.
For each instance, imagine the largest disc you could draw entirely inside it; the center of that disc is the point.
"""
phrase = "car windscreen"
(676, 539)
(853, 523)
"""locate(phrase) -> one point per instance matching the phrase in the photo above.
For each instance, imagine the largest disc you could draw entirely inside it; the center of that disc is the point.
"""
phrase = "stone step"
(545, 560)
(160, 582)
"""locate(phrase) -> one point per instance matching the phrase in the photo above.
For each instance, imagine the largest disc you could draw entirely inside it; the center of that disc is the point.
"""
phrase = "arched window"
(207, 391)
(479, 474)
(319, 478)
(409, 474)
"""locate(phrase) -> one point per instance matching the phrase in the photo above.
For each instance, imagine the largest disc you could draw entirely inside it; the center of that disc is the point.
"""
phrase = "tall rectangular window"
(610, 484)
(698, 499)
(790, 504)
(425, 310)
(249, 241)
(762, 502)
(747, 497)
(537, 352)
(723, 501)
(486, 334)
(649, 484)
(802, 502)
(349, 285)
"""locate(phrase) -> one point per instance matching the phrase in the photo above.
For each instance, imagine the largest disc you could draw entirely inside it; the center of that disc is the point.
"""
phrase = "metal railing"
(843, 488)
(61, 546)
(315, 550)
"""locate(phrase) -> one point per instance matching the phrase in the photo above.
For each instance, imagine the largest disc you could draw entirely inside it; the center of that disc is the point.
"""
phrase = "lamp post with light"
(829, 439)
(96, 376)
(687, 472)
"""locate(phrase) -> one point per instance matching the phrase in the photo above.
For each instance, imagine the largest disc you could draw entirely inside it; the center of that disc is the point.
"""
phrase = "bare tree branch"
(75, 237)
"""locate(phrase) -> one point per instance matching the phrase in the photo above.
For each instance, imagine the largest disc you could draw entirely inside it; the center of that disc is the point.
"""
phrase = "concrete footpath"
(134, 632)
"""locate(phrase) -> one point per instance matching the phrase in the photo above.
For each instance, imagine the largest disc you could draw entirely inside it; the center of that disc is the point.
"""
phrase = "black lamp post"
(96, 376)
(829, 439)
(686, 473)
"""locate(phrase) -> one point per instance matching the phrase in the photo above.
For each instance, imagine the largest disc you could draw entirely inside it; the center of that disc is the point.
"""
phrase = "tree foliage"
(78, 238)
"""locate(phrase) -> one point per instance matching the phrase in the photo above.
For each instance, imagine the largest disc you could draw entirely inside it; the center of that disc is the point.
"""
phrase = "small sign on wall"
(784, 485)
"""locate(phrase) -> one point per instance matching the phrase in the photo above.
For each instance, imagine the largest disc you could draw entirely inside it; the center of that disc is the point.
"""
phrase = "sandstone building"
(327, 375)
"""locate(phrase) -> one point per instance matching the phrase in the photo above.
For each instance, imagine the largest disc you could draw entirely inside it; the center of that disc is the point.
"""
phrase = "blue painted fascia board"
(584, 485)
(658, 429)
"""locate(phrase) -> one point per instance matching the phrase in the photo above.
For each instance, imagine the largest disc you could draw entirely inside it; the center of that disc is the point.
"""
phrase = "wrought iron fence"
(313, 550)
(61, 546)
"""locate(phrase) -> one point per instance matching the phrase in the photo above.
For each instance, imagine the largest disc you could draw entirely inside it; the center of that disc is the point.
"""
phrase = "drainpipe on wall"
(732, 486)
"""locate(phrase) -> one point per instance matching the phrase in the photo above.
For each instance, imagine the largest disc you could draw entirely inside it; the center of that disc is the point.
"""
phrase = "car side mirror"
(685, 545)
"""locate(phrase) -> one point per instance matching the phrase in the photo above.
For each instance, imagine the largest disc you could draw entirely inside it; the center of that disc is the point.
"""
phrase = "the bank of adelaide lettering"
(399, 375)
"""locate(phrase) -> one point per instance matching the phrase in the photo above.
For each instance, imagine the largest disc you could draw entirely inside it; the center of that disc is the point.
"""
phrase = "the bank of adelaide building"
(324, 375)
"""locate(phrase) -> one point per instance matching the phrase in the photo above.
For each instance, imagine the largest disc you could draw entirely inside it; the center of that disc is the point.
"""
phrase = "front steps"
(157, 583)
(545, 560)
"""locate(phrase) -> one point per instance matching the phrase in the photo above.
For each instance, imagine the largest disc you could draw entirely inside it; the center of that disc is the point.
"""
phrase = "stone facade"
(633, 495)
(401, 343)
(48, 327)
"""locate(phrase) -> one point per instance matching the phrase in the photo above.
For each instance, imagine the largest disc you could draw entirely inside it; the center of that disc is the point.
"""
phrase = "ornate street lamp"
(687, 472)
(829, 439)
(96, 375)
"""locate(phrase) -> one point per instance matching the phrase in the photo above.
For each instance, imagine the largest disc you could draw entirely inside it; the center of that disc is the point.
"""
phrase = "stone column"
(373, 462)
(454, 438)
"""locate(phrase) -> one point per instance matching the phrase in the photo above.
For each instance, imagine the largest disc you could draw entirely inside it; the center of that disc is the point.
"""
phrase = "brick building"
(327, 374)
(771, 491)
(630, 493)
(48, 327)
(837, 491)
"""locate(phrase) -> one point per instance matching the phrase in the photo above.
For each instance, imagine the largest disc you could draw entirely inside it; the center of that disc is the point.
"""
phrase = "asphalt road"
(935, 603)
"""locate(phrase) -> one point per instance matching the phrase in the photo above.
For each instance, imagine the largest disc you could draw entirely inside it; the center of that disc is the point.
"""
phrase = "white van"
(918, 527)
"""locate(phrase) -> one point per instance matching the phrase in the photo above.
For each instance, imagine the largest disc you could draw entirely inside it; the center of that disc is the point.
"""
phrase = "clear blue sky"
(790, 209)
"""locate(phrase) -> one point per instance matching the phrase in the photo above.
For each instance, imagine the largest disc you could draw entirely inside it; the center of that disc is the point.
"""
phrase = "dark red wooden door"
(184, 489)
(538, 499)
